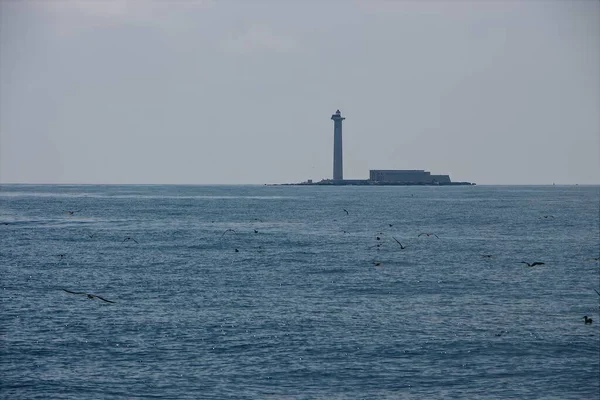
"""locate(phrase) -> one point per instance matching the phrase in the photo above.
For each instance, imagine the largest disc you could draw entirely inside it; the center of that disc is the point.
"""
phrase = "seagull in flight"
(228, 230)
(129, 238)
(547, 216)
(346, 211)
(90, 296)
(71, 212)
(428, 234)
(401, 247)
(532, 264)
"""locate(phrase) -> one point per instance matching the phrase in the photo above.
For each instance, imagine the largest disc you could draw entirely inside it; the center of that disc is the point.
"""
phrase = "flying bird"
(587, 320)
(61, 255)
(228, 230)
(90, 296)
(532, 264)
(377, 264)
(401, 247)
(390, 225)
(486, 255)
(593, 258)
(597, 292)
(128, 239)
(547, 216)
(428, 234)
(346, 211)
(71, 212)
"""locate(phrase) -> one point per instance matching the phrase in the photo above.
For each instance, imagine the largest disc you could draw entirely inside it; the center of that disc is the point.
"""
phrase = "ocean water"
(309, 306)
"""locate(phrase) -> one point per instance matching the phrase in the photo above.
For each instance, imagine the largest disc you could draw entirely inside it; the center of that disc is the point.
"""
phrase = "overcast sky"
(225, 91)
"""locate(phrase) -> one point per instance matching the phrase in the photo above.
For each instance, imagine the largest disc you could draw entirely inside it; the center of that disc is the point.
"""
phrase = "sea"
(299, 292)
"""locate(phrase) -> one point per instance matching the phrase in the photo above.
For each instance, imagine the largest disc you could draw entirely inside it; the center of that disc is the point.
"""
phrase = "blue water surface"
(316, 303)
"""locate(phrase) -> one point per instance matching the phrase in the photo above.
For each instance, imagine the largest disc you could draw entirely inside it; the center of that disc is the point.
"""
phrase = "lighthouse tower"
(338, 169)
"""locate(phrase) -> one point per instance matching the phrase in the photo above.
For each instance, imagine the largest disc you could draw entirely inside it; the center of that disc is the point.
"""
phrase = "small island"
(379, 177)
(399, 177)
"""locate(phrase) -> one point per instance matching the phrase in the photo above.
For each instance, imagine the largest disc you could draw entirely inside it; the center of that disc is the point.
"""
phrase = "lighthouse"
(338, 169)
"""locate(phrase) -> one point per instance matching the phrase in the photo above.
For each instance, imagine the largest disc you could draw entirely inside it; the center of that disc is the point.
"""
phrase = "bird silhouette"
(228, 230)
(128, 239)
(255, 231)
(587, 320)
(532, 264)
(486, 256)
(547, 216)
(593, 259)
(346, 211)
(428, 234)
(597, 292)
(377, 264)
(90, 296)
(71, 212)
(397, 241)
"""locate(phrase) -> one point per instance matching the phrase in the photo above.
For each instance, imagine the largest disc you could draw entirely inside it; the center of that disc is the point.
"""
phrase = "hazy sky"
(225, 91)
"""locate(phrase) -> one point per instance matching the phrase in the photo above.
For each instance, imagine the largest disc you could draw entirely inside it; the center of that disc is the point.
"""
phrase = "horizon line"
(265, 184)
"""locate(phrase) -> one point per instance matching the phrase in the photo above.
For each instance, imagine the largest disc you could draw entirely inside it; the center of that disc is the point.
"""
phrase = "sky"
(242, 92)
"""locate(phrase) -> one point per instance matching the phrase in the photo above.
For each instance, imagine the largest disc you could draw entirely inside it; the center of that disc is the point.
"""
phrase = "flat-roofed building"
(406, 176)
